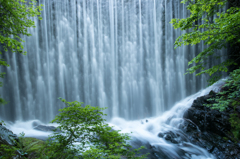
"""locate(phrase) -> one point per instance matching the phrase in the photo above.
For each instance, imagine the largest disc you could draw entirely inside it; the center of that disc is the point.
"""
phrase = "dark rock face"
(7, 136)
(234, 3)
(209, 120)
(207, 128)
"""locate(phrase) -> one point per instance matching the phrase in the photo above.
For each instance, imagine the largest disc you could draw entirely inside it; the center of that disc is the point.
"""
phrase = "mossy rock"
(32, 146)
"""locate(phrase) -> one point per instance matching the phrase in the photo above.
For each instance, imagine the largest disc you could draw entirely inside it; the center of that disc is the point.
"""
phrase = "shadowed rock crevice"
(207, 128)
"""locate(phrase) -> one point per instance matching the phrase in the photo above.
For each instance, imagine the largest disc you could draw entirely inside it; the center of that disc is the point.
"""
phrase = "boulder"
(38, 126)
(7, 136)
(45, 128)
(170, 136)
(210, 128)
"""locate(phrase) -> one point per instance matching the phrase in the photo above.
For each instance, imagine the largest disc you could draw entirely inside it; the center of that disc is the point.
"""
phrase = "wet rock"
(45, 128)
(7, 136)
(167, 152)
(36, 123)
(170, 136)
(210, 129)
(159, 151)
(207, 128)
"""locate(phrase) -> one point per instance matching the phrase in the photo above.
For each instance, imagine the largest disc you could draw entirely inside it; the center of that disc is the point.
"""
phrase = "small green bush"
(83, 133)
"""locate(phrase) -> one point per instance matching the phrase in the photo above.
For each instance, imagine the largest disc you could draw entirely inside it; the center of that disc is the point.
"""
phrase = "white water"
(146, 132)
(27, 128)
(109, 53)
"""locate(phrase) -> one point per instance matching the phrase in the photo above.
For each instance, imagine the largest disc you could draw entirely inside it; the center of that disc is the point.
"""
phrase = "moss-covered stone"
(32, 146)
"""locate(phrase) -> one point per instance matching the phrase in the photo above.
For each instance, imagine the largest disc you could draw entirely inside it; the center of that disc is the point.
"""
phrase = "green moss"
(32, 146)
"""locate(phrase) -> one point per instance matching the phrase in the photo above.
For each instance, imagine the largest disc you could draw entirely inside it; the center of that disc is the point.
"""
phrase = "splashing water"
(146, 131)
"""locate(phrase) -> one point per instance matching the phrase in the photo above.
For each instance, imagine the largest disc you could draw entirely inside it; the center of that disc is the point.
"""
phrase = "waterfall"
(145, 132)
(109, 53)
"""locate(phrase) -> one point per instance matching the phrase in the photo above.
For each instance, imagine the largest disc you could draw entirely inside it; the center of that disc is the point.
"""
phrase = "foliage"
(7, 151)
(215, 32)
(26, 147)
(13, 151)
(32, 146)
(21, 149)
(82, 133)
(230, 97)
(14, 22)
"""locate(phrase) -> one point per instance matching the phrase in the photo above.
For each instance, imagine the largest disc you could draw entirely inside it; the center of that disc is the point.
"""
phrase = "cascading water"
(110, 53)
(145, 132)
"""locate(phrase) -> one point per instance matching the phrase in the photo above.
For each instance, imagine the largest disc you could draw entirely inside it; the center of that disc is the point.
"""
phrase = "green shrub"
(84, 134)
(216, 33)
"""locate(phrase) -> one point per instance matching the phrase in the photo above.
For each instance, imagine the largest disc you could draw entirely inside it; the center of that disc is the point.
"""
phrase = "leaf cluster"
(7, 151)
(215, 32)
(230, 94)
(230, 97)
(83, 133)
(15, 19)
(14, 151)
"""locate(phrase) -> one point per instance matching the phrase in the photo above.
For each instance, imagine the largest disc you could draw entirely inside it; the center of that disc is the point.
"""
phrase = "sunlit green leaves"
(86, 126)
(229, 97)
(15, 19)
(216, 33)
